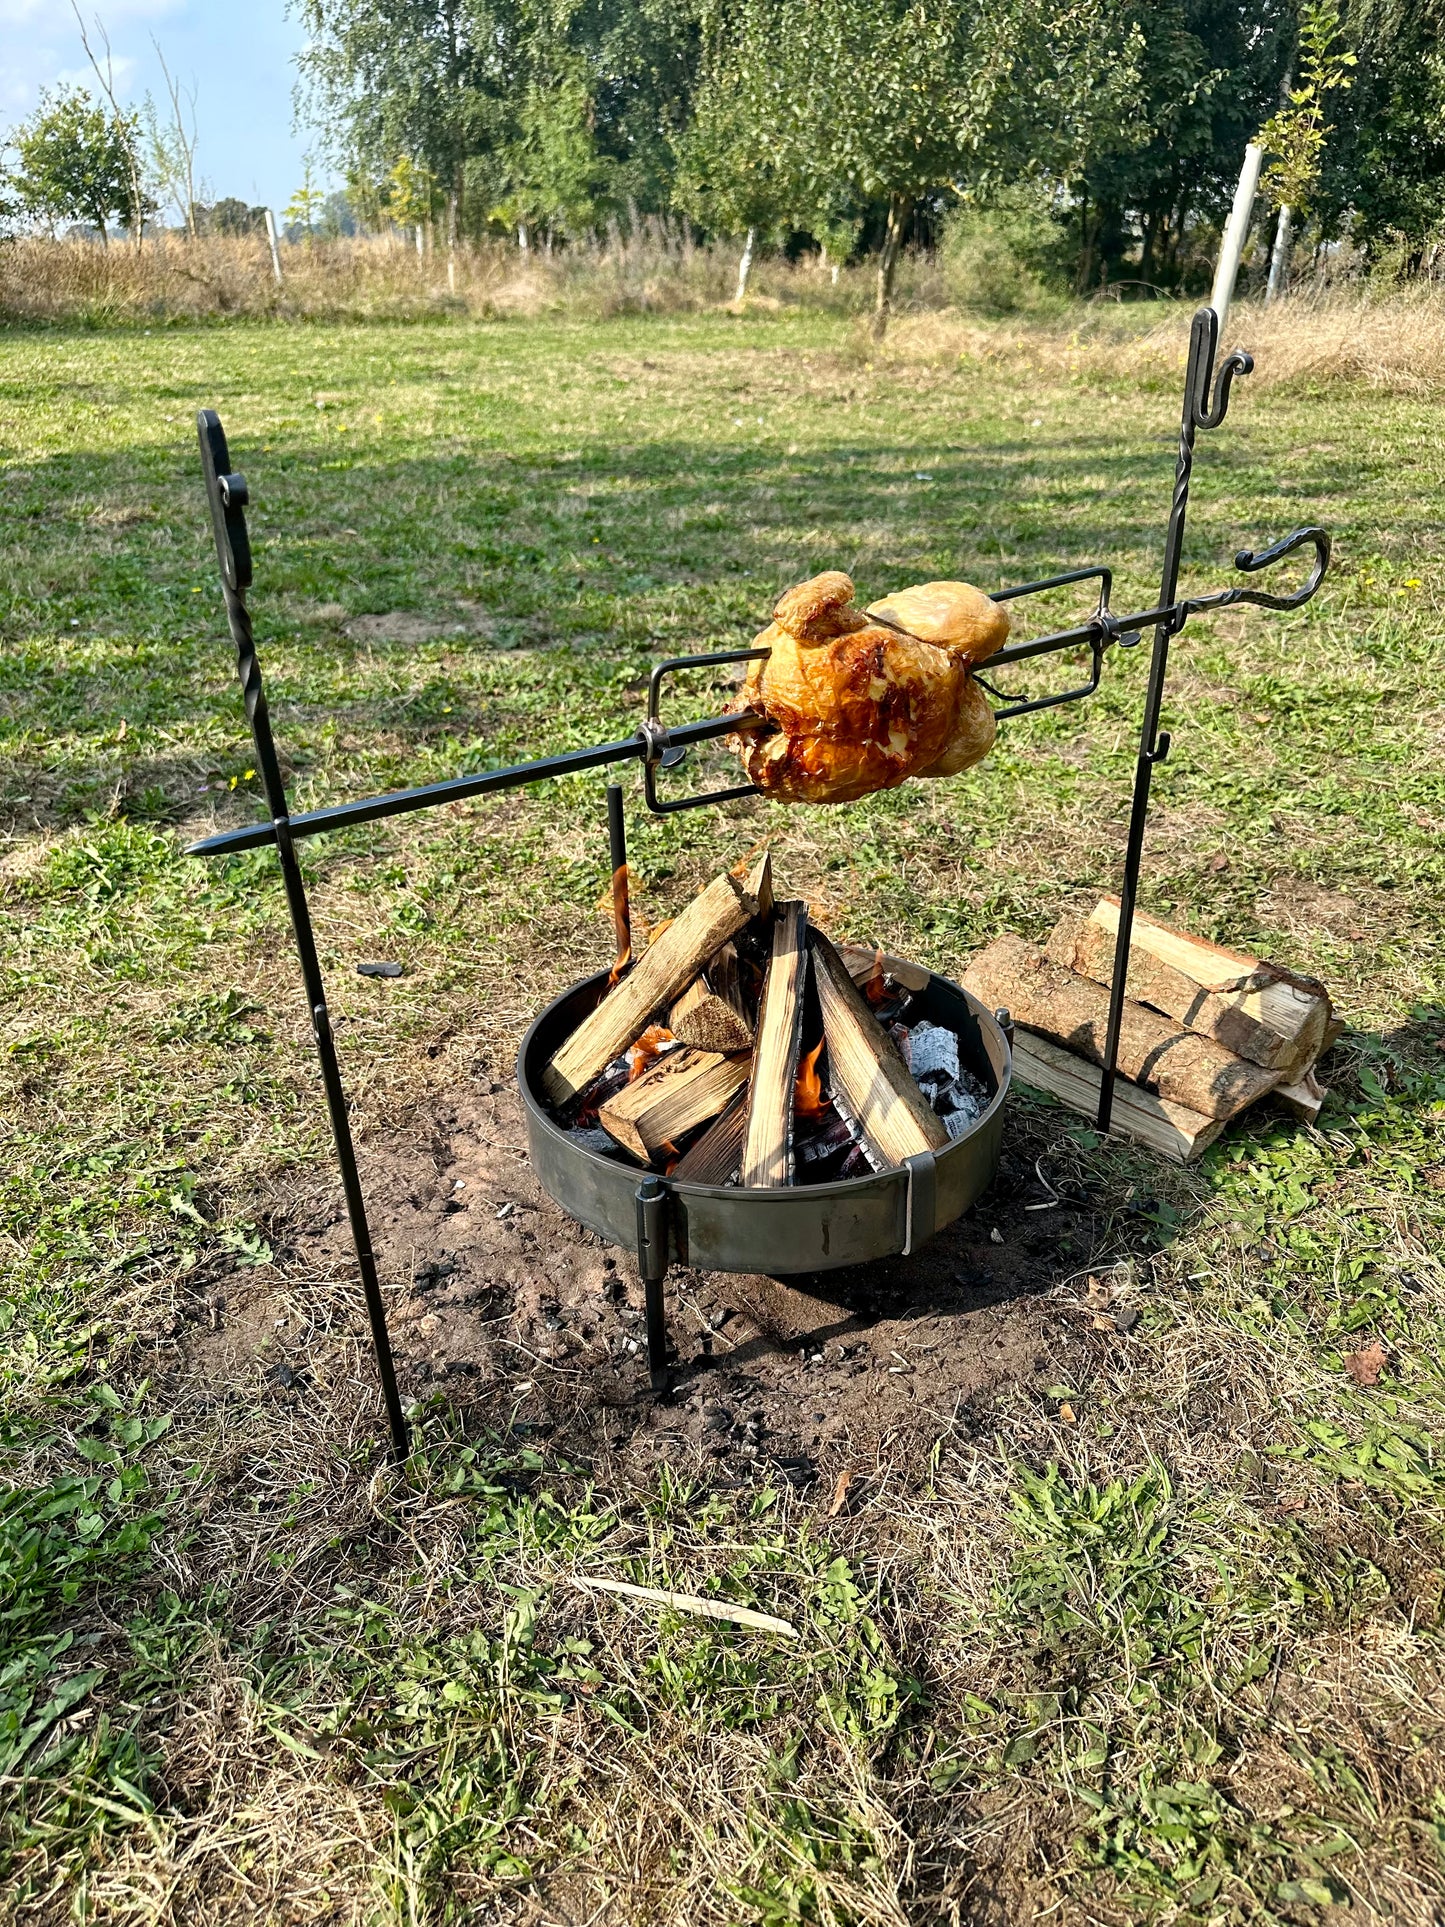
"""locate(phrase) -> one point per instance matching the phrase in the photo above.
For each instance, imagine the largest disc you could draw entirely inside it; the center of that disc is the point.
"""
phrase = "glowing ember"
(876, 989)
(808, 1097)
(646, 1049)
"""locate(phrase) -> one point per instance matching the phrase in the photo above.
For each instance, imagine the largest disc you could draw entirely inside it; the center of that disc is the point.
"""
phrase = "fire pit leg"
(652, 1266)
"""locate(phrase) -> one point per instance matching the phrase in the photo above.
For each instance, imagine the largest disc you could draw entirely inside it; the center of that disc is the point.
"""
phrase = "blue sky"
(240, 53)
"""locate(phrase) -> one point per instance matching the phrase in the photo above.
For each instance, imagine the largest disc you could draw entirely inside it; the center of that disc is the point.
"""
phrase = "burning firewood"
(675, 1094)
(895, 1117)
(709, 1014)
(717, 1155)
(768, 1139)
(665, 968)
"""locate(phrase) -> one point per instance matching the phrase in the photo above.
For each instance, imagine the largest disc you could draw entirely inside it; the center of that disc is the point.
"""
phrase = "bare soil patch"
(500, 1303)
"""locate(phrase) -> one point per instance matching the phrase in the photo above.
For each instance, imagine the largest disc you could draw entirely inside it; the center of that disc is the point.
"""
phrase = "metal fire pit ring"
(795, 1229)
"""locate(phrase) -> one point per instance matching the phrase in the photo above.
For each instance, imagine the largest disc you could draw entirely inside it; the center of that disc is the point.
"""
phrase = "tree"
(417, 80)
(232, 216)
(1294, 138)
(126, 127)
(1208, 73)
(307, 204)
(1383, 173)
(740, 169)
(825, 108)
(74, 163)
(173, 143)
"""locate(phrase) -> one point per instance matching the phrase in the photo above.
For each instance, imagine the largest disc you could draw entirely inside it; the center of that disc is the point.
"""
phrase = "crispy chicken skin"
(862, 706)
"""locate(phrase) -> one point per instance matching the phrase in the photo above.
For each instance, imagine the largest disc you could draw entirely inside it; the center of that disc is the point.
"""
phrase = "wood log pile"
(743, 1047)
(1206, 1031)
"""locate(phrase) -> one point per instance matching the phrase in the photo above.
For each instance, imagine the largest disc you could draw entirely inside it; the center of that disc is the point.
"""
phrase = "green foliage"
(74, 161)
(1383, 172)
(1008, 257)
(1294, 138)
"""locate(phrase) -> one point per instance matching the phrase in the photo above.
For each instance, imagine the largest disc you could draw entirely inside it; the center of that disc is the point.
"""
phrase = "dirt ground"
(500, 1303)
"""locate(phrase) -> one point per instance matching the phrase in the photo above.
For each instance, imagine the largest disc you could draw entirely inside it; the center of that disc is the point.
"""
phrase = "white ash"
(932, 1055)
(933, 1052)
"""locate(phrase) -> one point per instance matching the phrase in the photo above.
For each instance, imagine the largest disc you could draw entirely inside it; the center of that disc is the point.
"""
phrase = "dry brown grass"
(170, 279)
(1393, 343)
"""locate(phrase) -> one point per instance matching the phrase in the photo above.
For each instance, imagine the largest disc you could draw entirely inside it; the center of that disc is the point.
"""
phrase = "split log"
(672, 1097)
(725, 976)
(759, 884)
(665, 967)
(1171, 1129)
(863, 962)
(768, 1135)
(718, 1153)
(1160, 1055)
(1255, 1009)
(896, 1119)
(706, 1021)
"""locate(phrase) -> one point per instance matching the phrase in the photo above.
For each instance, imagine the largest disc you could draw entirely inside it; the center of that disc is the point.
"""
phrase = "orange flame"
(808, 1089)
(875, 990)
(645, 1050)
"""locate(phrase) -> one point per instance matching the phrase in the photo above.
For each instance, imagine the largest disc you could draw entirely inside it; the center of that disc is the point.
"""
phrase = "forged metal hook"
(1203, 344)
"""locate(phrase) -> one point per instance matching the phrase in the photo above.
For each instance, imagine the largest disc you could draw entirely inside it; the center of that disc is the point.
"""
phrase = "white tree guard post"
(275, 248)
(1279, 256)
(1236, 229)
(745, 267)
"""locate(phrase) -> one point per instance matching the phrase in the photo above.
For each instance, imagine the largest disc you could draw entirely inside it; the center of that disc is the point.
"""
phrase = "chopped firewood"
(1171, 1129)
(672, 1097)
(768, 1138)
(1154, 1052)
(718, 1153)
(1305, 1097)
(724, 974)
(864, 963)
(1253, 1008)
(759, 884)
(895, 1118)
(706, 1021)
(666, 967)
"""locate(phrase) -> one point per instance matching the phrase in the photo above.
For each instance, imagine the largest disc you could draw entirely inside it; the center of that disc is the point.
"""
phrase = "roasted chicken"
(862, 700)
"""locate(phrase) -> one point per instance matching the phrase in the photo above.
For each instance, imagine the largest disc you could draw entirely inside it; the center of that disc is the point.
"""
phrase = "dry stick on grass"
(1250, 1007)
(1153, 1051)
(863, 1062)
(689, 1602)
(665, 967)
(768, 1137)
(718, 1153)
(673, 1096)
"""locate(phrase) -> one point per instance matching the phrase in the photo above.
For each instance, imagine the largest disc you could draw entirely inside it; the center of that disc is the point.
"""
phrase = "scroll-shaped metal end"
(1251, 561)
(226, 494)
(1203, 344)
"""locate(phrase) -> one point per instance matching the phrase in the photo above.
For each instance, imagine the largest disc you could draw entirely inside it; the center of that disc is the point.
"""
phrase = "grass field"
(1158, 1639)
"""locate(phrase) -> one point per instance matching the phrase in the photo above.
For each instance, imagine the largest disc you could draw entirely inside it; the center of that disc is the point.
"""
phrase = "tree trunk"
(745, 267)
(900, 206)
(1279, 256)
(522, 241)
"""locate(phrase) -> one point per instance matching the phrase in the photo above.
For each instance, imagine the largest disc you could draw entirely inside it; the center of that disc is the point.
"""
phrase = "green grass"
(1180, 1660)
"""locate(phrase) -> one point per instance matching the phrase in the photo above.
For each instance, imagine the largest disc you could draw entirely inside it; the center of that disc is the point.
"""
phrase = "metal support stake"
(1199, 411)
(652, 1265)
(621, 887)
(227, 495)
